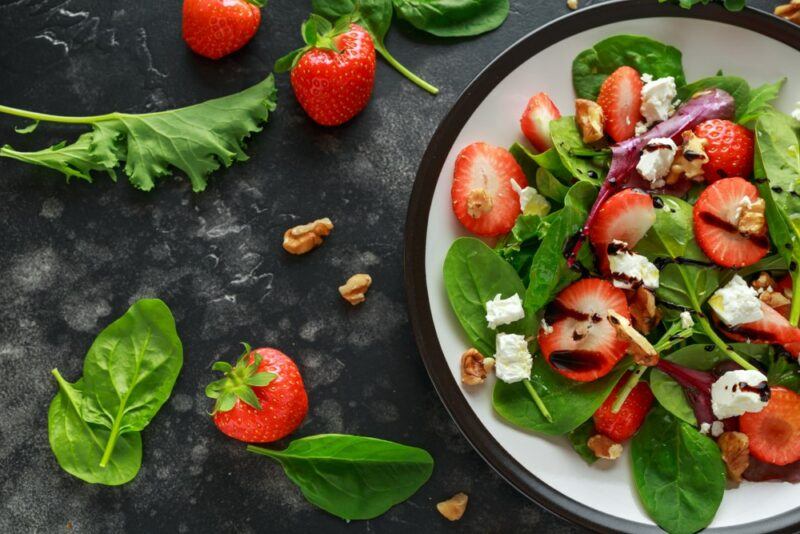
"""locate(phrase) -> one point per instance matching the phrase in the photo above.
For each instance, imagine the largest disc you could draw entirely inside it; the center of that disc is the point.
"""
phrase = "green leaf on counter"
(453, 18)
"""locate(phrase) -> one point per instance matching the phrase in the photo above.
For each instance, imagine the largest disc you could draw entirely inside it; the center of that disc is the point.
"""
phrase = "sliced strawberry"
(773, 328)
(583, 345)
(715, 219)
(621, 97)
(623, 425)
(729, 149)
(774, 432)
(626, 217)
(535, 121)
(483, 198)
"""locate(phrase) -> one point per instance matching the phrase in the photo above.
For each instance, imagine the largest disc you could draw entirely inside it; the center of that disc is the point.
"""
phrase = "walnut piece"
(642, 351)
(752, 220)
(644, 314)
(478, 203)
(355, 289)
(690, 158)
(774, 299)
(474, 367)
(735, 447)
(301, 239)
(605, 447)
(790, 11)
(589, 116)
(453, 508)
(763, 282)
(572, 4)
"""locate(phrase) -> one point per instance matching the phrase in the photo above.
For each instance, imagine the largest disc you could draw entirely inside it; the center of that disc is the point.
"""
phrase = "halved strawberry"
(621, 97)
(624, 424)
(483, 198)
(773, 328)
(729, 149)
(626, 217)
(774, 432)
(715, 224)
(535, 121)
(580, 342)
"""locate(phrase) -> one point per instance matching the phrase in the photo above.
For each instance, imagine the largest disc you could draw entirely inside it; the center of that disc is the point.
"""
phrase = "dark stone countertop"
(74, 257)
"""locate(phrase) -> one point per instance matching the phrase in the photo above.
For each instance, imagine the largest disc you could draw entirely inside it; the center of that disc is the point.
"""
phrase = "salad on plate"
(633, 280)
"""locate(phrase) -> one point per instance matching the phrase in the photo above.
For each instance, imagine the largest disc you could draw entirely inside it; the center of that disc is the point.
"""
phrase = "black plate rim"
(416, 228)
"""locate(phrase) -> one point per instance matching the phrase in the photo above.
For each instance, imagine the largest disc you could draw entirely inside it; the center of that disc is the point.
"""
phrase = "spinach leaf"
(473, 275)
(738, 88)
(78, 446)
(130, 369)
(566, 137)
(548, 160)
(591, 67)
(526, 161)
(453, 18)
(570, 403)
(730, 5)
(678, 472)
(759, 101)
(549, 186)
(784, 372)
(352, 477)
(579, 438)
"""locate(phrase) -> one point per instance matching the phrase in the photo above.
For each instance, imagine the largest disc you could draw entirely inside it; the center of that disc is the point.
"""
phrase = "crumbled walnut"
(355, 289)
(790, 11)
(474, 367)
(763, 282)
(773, 299)
(642, 351)
(301, 239)
(735, 447)
(752, 220)
(690, 158)
(453, 508)
(589, 116)
(478, 203)
(572, 4)
(644, 314)
(605, 447)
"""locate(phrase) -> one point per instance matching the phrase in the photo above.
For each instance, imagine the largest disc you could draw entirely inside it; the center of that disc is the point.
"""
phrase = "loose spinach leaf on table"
(730, 5)
(473, 275)
(353, 477)
(570, 403)
(579, 438)
(453, 18)
(566, 138)
(678, 472)
(592, 66)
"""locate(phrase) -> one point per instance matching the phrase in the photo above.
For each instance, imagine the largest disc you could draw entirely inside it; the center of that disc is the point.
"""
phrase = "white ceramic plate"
(751, 44)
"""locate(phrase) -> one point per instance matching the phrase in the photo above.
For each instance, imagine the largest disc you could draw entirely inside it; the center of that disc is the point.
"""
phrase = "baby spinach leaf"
(730, 5)
(784, 372)
(579, 438)
(453, 18)
(566, 138)
(352, 477)
(549, 186)
(130, 370)
(759, 101)
(525, 159)
(678, 472)
(738, 88)
(78, 446)
(591, 67)
(473, 275)
(548, 160)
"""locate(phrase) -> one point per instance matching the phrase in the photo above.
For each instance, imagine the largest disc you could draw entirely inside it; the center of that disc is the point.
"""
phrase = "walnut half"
(453, 508)
(301, 239)
(644, 314)
(605, 447)
(474, 367)
(589, 116)
(355, 289)
(751, 219)
(735, 447)
(790, 11)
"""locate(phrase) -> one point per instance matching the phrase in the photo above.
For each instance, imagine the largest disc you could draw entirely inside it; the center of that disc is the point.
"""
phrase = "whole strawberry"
(261, 398)
(333, 75)
(216, 28)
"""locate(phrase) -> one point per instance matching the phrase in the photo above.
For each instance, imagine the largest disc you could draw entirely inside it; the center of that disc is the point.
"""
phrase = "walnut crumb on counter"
(453, 508)
(355, 289)
(305, 237)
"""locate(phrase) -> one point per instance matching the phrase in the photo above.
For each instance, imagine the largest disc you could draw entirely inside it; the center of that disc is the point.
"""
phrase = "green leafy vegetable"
(678, 472)
(730, 5)
(566, 138)
(196, 140)
(737, 87)
(30, 128)
(353, 477)
(784, 372)
(579, 438)
(759, 102)
(591, 67)
(453, 18)
(549, 186)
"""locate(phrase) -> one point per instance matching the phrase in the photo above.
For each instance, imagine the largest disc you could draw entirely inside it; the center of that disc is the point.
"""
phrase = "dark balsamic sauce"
(576, 360)
(658, 202)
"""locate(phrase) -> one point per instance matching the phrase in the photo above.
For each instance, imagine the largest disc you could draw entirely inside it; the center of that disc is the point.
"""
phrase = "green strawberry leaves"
(239, 382)
(317, 32)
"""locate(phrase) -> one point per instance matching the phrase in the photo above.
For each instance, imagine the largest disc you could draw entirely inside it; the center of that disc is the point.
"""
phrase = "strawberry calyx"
(318, 33)
(239, 381)
(257, 3)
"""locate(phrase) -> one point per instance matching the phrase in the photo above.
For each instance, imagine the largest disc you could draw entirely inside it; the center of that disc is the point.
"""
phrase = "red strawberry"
(583, 345)
(261, 398)
(535, 121)
(483, 198)
(626, 217)
(784, 287)
(216, 28)
(333, 75)
(773, 328)
(729, 149)
(623, 425)
(774, 432)
(621, 97)
(715, 220)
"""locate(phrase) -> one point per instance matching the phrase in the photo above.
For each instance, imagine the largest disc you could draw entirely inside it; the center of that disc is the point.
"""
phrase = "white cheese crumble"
(641, 128)
(656, 161)
(500, 311)
(657, 98)
(705, 428)
(513, 362)
(530, 198)
(717, 428)
(686, 320)
(736, 303)
(730, 399)
(633, 267)
(796, 112)
(546, 328)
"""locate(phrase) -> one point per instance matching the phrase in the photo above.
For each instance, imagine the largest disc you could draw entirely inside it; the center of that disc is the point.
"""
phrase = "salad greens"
(352, 477)
(750, 103)
(730, 5)
(453, 18)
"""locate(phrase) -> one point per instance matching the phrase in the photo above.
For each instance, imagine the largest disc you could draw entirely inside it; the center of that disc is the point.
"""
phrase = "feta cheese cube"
(686, 320)
(530, 201)
(736, 303)
(717, 428)
(657, 98)
(738, 392)
(500, 311)
(656, 160)
(629, 268)
(513, 361)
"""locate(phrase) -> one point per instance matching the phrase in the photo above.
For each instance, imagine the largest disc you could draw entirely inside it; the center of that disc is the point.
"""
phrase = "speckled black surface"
(74, 257)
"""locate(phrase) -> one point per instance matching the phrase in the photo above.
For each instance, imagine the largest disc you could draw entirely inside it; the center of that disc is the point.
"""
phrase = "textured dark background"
(74, 257)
